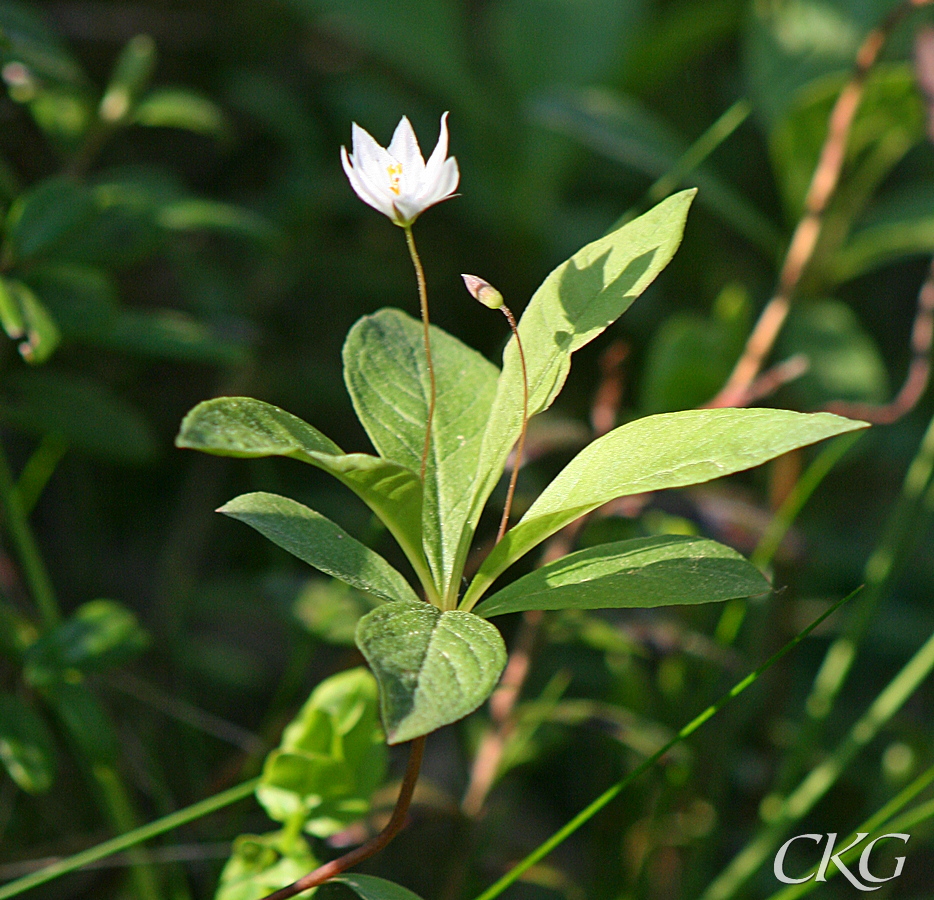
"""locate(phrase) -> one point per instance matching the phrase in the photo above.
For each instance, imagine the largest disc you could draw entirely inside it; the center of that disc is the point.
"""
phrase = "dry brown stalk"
(919, 370)
(736, 391)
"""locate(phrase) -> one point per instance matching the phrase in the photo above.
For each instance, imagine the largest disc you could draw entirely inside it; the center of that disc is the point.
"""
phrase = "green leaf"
(43, 218)
(844, 361)
(130, 77)
(86, 414)
(635, 574)
(26, 748)
(386, 374)
(331, 759)
(576, 303)
(651, 454)
(541, 43)
(622, 129)
(169, 334)
(790, 44)
(691, 356)
(317, 541)
(48, 79)
(889, 122)
(243, 427)
(85, 720)
(101, 634)
(369, 887)
(899, 224)
(433, 667)
(175, 108)
(82, 299)
(261, 864)
(330, 610)
(195, 214)
(25, 319)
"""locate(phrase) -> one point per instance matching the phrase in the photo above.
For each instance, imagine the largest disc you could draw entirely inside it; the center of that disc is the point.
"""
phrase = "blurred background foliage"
(176, 225)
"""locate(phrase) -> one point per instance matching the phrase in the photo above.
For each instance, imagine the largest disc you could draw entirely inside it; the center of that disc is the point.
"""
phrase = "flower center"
(395, 175)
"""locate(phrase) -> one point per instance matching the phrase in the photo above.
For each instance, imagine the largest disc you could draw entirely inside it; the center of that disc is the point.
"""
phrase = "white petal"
(408, 210)
(444, 185)
(404, 147)
(433, 167)
(366, 152)
(364, 188)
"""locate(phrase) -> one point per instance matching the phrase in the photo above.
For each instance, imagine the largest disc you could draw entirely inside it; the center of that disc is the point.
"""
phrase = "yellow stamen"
(395, 175)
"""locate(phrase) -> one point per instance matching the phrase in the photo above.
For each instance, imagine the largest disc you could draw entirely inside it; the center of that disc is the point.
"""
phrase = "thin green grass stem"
(882, 818)
(608, 795)
(791, 507)
(822, 777)
(902, 529)
(734, 613)
(131, 839)
(34, 571)
(698, 152)
(756, 228)
(39, 469)
(120, 810)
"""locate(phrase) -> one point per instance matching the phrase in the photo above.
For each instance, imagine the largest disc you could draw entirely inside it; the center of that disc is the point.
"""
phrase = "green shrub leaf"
(101, 634)
(387, 376)
(331, 759)
(243, 427)
(261, 864)
(575, 303)
(319, 542)
(369, 887)
(46, 216)
(26, 749)
(639, 573)
(651, 454)
(433, 667)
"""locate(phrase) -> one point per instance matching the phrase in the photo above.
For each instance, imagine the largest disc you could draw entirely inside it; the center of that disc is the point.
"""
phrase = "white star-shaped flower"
(396, 180)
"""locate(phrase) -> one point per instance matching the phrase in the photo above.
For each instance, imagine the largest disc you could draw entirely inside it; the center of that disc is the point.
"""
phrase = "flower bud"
(483, 291)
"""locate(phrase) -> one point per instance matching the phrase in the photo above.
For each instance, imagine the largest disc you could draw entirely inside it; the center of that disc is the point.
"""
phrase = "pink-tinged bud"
(483, 291)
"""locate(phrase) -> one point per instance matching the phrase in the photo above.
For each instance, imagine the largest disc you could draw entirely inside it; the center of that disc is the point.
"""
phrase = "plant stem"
(815, 785)
(128, 840)
(808, 230)
(520, 446)
(610, 793)
(364, 851)
(40, 585)
(423, 302)
(119, 808)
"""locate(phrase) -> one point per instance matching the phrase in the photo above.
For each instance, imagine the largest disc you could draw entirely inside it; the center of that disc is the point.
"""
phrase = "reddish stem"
(370, 848)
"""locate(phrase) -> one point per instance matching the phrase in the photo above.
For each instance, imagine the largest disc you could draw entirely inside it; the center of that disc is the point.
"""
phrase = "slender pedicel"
(423, 302)
(488, 295)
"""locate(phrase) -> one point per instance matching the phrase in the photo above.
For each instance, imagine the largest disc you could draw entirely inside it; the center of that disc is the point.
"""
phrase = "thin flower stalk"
(423, 303)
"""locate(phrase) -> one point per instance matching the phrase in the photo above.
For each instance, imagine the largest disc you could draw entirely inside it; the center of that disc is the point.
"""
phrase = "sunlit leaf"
(640, 573)
(243, 427)
(331, 759)
(651, 454)
(576, 302)
(261, 864)
(317, 541)
(433, 667)
(386, 374)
